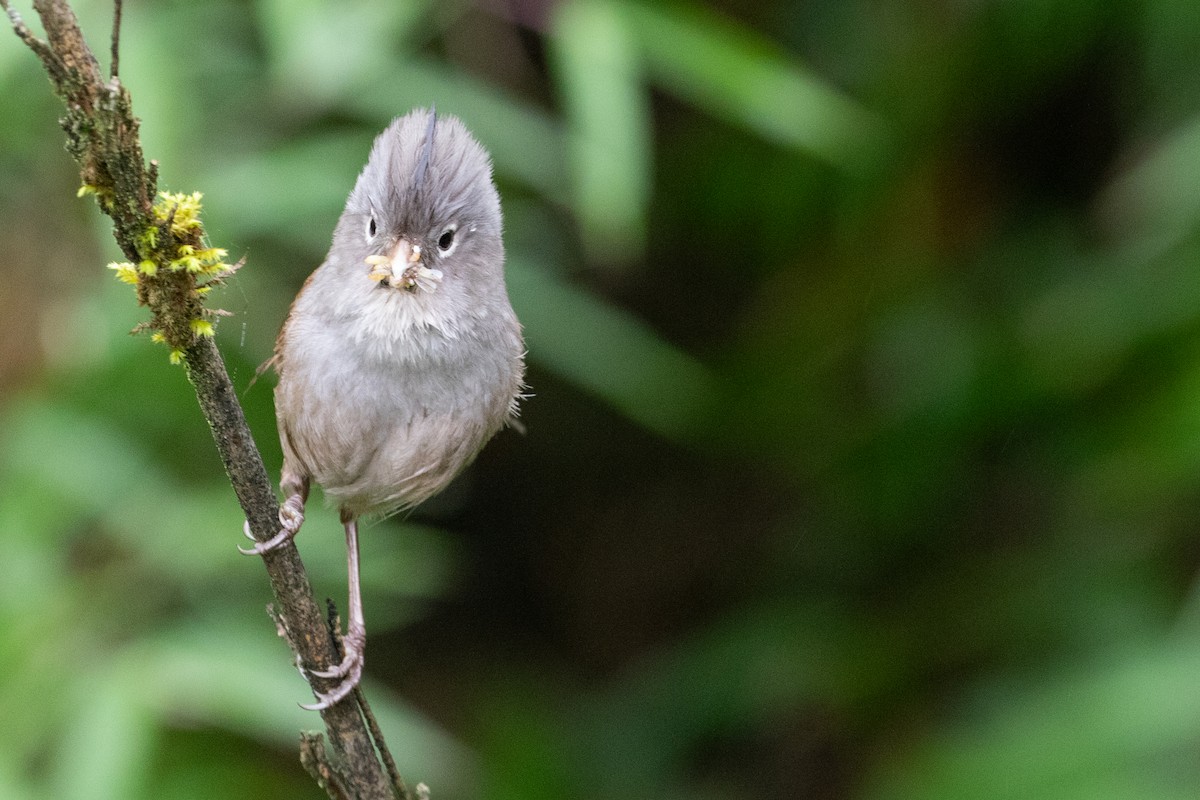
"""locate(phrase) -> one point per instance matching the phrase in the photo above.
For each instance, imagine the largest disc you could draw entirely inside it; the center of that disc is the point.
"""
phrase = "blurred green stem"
(102, 135)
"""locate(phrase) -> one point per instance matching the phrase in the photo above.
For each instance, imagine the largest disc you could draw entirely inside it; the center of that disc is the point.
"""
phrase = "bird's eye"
(446, 240)
(371, 230)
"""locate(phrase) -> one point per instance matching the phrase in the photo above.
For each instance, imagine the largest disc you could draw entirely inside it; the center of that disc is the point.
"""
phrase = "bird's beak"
(403, 268)
(391, 268)
(405, 255)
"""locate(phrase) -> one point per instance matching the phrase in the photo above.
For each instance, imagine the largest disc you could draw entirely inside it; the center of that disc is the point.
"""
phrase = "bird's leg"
(355, 641)
(291, 516)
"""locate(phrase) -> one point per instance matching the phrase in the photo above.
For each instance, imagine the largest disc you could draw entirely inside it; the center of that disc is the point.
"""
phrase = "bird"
(401, 356)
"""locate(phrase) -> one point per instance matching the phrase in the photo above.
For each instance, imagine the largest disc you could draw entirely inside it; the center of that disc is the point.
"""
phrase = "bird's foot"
(291, 517)
(349, 670)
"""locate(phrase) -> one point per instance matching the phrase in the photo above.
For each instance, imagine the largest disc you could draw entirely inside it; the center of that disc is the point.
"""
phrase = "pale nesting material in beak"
(403, 269)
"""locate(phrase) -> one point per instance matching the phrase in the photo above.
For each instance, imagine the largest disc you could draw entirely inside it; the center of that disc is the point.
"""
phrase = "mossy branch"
(171, 265)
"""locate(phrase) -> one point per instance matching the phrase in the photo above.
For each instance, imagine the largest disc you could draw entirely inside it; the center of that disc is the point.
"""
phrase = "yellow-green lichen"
(175, 269)
(181, 210)
(126, 272)
(202, 327)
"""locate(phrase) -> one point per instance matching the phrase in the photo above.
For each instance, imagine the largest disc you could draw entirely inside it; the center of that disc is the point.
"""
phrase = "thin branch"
(389, 763)
(102, 136)
(35, 44)
(113, 70)
(316, 763)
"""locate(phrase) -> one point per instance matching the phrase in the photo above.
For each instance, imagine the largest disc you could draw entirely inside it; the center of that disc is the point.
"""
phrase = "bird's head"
(424, 216)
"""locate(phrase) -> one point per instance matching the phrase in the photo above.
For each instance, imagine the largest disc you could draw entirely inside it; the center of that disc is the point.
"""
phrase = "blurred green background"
(863, 459)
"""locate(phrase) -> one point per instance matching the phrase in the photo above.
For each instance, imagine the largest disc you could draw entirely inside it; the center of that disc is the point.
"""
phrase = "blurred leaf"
(1116, 728)
(39, 647)
(761, 666)
(110, 738)
(610, 353)
(608, 121)
(13, 786)
(319, 52)
(731, 72)
(295, 192)
(524, 746)
(100, 473)
(1080, 330)
(1156, 197)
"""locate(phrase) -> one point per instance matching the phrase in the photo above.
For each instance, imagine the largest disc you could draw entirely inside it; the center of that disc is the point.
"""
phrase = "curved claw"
(291, 517)
(353, 658)
(275, 541)
(350, 670)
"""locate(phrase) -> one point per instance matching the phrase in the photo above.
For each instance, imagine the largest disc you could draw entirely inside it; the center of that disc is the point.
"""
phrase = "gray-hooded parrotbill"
(401, 356)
